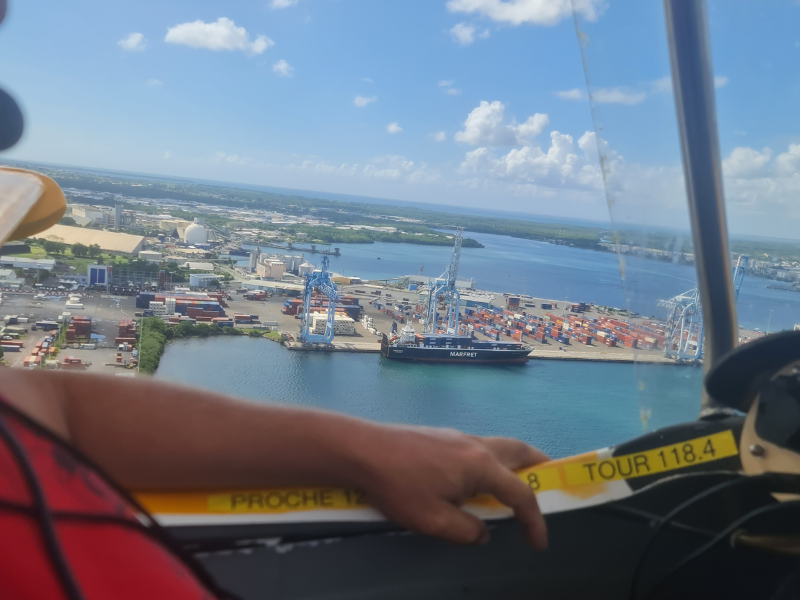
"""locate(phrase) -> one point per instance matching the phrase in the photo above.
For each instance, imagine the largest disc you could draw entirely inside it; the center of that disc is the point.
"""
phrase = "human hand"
(420, 476)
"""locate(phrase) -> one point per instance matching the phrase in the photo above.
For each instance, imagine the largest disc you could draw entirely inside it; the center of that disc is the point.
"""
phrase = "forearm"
(149, 435)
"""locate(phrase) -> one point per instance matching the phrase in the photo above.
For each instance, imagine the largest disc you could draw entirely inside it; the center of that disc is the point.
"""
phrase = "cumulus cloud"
(439, 136)
(283, 69)
(486, 125)
(557, 166)
(364, 100)
(745, 162)
(153, 82)
(222, 34)
(787, 164)
(446, 83)
(282, 3)
(133, 42)
(720, 81)
(393, 128)
(532, 12)
(463, 33)
(573, 94)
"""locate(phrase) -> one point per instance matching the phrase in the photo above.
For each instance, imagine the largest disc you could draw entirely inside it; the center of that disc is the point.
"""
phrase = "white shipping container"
(74, 305)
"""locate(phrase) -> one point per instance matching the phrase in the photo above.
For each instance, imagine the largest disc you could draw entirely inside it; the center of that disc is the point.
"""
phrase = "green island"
(154, 334)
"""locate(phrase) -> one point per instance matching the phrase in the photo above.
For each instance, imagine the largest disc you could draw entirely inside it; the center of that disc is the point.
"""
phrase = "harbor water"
(561, 407)
(556, 272)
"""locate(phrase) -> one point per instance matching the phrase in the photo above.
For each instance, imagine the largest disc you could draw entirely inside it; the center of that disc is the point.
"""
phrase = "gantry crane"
(685, 320)
(445, 287)
(321, 281)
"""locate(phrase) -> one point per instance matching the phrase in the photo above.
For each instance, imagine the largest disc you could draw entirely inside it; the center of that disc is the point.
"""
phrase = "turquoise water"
(561, 407)
(551, 271)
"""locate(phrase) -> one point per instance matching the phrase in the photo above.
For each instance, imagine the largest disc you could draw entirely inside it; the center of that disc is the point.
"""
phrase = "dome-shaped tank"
(195, 234)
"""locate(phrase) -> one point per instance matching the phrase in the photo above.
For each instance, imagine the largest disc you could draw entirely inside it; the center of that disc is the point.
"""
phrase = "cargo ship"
(441, 347)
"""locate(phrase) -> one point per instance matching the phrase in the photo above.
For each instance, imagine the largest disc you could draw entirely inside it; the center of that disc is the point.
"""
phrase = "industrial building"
(195, 234)
(270, 267)
(150, 255)
(201, 280)
(109, 241)
(8, 278)
(99, 275)
(16, 262)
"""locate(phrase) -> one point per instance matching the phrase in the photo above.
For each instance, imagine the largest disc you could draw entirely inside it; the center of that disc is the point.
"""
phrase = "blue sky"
(470, 102)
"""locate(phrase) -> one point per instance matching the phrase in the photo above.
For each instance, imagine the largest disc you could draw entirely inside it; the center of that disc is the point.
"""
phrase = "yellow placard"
(579, 475)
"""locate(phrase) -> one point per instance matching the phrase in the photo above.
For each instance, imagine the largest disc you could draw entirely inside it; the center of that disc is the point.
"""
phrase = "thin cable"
(718, 538)
(46, 526)
(675, 512)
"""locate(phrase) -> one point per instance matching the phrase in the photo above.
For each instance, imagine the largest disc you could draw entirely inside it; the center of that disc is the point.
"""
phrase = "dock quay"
(609, 357)
(337, 346)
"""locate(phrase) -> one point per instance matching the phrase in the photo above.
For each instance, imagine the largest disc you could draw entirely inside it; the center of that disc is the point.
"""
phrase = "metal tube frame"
(693, 88)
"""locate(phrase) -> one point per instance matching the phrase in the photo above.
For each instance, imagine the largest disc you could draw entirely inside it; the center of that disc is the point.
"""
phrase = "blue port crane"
(320, 281)
(445, 287)
(685, 320)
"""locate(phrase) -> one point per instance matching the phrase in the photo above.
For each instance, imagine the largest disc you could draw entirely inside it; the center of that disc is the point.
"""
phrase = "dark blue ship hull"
(411, 353)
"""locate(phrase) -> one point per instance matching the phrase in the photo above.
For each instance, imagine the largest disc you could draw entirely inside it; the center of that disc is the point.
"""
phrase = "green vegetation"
(154, 334)
(332, 235)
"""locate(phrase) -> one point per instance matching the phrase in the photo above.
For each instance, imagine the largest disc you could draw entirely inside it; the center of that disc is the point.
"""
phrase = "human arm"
(149, 435)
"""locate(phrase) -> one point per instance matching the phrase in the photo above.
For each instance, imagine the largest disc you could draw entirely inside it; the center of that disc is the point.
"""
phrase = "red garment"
(100, 550)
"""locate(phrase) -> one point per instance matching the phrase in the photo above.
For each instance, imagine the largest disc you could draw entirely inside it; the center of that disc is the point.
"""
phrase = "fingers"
(513, 453)
(448, 522)
(511, 491)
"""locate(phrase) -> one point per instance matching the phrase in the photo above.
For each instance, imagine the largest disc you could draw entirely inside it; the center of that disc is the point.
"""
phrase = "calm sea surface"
(543, 270)
(561, 407)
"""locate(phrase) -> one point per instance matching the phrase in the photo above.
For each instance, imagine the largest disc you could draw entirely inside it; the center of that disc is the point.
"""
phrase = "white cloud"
(720, 81)
(222, 34)
(617, 95)
(662, 86)
(573, 94)
(447, 87)
(133, 42)
(283, 69)
(439, 136)
(391, 168)
(364, 100)
(167, 154)
(154, 82)
(532, 12)
(787, 164)
(745, 162)
(486, 125)
(463, 33)
(366, 79)
(393, 128)
(483, 34)
(557, 166)
(282, 3)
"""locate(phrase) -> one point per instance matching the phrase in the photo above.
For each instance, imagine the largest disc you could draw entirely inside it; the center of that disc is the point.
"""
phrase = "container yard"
(552, 329)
